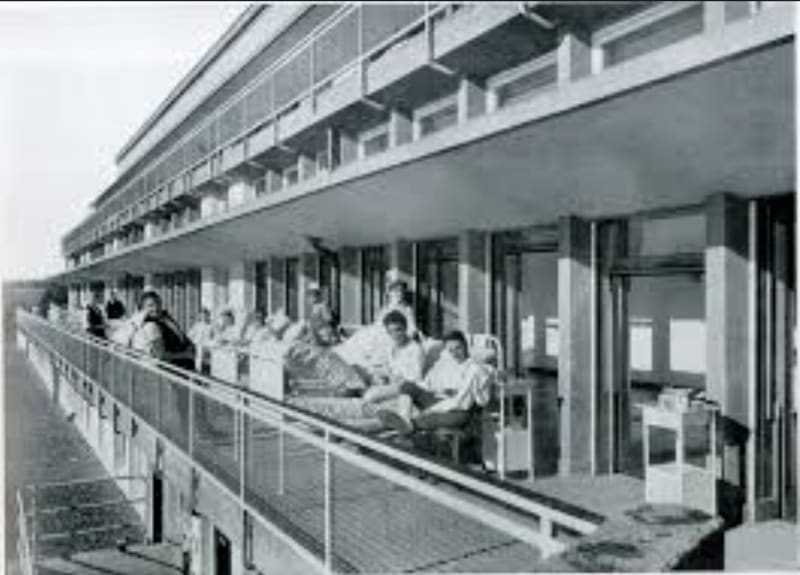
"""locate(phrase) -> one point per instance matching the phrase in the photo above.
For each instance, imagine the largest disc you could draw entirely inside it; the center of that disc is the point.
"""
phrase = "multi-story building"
(608, 189)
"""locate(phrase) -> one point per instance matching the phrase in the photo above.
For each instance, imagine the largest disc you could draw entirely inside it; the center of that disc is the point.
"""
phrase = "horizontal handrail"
(277, 412)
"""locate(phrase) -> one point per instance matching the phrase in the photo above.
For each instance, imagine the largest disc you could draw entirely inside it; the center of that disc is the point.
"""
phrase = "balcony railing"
(346, 500)
(349, 38)
(335, 65)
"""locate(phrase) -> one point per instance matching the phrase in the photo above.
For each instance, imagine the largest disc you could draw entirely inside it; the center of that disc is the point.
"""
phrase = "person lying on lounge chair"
(455, 385)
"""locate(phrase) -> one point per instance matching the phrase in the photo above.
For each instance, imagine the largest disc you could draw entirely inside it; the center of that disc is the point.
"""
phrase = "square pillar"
(343, 147)
(276, 285)
(208, 204)
(574, 59)
(150, 282)
(306, 167)
(575, 347)
(350, 278)
(728, 330)
(714, 14)
(471, 100)
(242, 288)
(400, 128)
(401, 262)
(241, 191)
(309, 275)
(208, 288)
(473, 282)
(150, 229)
(73, 297)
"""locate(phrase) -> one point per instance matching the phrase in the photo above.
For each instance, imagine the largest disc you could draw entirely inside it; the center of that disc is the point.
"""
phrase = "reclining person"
(453, 387)
(404, 364)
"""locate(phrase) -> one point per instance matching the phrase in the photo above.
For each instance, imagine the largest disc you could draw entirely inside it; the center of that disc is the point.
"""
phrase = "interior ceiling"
(724, 128)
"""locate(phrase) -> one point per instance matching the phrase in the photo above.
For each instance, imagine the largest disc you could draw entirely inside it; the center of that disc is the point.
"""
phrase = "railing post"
(501, 447)
(190, 447)
(328, 504)
(281, 460)
(242, 448)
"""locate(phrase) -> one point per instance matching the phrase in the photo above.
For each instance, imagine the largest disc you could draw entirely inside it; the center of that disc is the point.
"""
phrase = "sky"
(76, 81)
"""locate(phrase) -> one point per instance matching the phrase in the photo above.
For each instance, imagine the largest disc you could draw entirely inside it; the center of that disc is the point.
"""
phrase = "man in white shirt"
(455, 385)
(404, 364)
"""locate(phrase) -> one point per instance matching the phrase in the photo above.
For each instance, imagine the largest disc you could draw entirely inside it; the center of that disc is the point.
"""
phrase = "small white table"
(679, 481)
(511, 447)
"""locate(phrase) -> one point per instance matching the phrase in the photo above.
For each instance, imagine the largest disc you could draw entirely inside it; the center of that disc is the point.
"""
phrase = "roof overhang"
(722, 127)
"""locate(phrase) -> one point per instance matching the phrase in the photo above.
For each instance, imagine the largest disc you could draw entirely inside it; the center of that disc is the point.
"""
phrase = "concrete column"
(574, 58)
(714, 14)
(275, 181)
(306, 167)
(74, 297)
(727, 326)
(575, 354)
(150, 282)
(350, 278)
(150, 229)
(208, 204)
(401, 128)
(276, 284)
(401, 262)
(473, 282)
(471, 100)
(240, 191)
(309, 274)
(242, 288)
(343, 147)
(208, 288)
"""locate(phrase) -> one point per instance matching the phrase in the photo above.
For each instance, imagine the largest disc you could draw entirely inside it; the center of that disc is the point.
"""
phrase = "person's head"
(227, 319)
(205, 315)
(150, 303)
(397, 291)
(314, 294)
(456, 345)
(97, 297)
(113, 295)
(396, 326)
(326, 333)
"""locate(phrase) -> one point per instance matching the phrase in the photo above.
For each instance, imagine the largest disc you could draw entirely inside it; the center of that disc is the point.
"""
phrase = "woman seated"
(453, 387)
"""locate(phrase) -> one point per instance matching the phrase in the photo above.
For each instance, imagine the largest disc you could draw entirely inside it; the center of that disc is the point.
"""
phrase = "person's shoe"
(394, 420)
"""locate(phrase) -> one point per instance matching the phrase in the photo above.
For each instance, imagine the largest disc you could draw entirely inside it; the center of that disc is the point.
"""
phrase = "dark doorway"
(158, 508)
(222, 554)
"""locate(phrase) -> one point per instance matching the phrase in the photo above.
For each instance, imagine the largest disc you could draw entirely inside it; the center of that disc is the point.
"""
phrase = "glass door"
(437, 287)
(776, 414)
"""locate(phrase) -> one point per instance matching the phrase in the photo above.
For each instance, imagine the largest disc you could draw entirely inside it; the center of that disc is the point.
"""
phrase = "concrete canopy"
(722, 127)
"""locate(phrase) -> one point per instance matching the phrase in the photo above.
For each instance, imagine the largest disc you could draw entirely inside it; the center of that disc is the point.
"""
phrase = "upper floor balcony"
(377, 77)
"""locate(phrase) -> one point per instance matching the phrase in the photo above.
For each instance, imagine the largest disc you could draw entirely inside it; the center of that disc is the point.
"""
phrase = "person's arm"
(152, 340)
(408, 364)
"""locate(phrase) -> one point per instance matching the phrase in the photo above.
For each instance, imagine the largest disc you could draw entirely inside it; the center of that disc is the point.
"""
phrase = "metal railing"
(345, 500)
(25, 551)
(349, 38)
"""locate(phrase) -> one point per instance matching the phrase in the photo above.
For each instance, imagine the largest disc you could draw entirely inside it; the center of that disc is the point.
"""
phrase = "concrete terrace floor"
(766, 546)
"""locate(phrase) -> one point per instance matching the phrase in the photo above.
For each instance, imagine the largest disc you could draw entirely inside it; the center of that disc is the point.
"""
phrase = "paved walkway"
(41, 445)
(766, 546)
